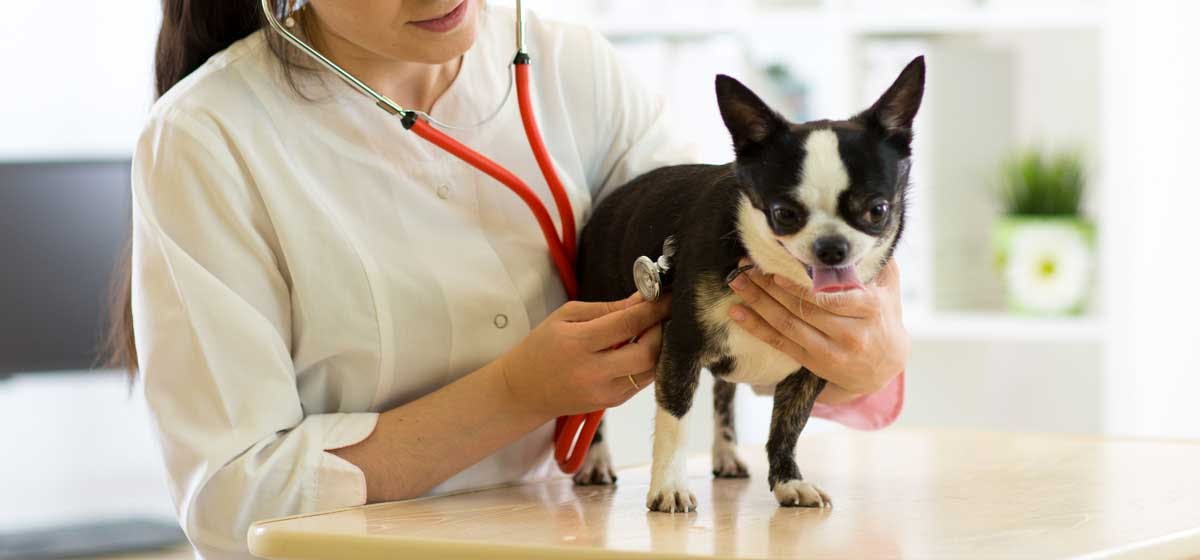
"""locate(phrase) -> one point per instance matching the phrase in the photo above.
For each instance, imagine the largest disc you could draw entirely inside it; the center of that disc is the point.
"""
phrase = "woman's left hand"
(855, 340)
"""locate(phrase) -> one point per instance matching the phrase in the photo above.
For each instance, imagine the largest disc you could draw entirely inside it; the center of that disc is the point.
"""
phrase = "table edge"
(276, 543)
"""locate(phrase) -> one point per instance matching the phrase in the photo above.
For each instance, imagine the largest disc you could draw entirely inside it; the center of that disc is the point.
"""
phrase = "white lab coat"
(301, 265)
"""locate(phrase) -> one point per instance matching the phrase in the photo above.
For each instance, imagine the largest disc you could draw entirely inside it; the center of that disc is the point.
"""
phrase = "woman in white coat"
(329, 311)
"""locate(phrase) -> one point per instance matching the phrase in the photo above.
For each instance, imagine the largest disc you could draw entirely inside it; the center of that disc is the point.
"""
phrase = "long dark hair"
(192, 31)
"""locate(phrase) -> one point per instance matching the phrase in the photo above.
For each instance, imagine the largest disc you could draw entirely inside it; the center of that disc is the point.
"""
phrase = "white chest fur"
(755, 362)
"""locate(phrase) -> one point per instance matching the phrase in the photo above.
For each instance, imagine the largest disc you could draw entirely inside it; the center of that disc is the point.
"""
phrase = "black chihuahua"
(821, 203)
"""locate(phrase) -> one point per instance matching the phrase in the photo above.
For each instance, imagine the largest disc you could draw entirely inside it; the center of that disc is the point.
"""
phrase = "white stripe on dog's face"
(823, 177)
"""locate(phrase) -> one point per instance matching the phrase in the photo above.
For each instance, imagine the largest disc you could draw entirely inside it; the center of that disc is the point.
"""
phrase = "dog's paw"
(797, 493)
(726, 464)
(671, 499)
(597, 467)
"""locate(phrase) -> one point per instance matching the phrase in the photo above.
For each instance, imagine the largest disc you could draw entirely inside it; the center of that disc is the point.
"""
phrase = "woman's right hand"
(567, 365)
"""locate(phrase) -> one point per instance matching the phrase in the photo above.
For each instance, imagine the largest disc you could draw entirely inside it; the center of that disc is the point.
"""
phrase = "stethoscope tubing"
(558, 251)
(573, 434)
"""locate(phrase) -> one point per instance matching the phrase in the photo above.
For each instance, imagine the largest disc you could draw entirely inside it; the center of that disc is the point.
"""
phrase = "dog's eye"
(878, 213)
(784, 217)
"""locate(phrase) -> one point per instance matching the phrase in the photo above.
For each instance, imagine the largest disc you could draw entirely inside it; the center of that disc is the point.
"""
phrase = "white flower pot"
(1046, 262)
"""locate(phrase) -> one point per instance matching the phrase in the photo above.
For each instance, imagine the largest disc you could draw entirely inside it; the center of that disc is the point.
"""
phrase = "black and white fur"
(793, 191)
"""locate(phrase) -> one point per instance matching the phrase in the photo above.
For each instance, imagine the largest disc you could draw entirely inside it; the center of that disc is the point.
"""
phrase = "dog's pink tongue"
(834, 279)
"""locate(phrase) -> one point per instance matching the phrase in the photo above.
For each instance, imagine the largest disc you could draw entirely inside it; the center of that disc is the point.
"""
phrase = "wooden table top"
(895, 494)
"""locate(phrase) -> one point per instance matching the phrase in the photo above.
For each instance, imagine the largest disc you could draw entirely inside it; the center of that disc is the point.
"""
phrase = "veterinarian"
(329, 311)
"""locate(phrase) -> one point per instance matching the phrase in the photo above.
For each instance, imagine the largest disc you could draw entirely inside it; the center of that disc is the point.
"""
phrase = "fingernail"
(737, 313)
(739, 282)
(784, 282)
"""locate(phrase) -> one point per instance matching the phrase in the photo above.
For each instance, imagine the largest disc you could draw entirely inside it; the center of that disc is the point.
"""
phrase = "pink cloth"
(868, 412)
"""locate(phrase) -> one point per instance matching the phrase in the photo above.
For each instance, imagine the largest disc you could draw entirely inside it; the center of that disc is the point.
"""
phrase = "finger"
(762, 329)
(889, 276)
(580, 311)
(832, 325)
(887, 284)
(796, 289)
(644, 379)
(772, 288)
(622, 389)
(635, 356)
(746, 288)
(626, 389)
(780, 317)
(862, 303)
(622, 325)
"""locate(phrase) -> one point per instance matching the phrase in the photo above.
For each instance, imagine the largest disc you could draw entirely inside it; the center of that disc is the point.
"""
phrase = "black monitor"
(64, 226)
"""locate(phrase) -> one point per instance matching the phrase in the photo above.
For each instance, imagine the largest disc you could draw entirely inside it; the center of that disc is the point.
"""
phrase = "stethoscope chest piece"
(650, 276)
(647, 276)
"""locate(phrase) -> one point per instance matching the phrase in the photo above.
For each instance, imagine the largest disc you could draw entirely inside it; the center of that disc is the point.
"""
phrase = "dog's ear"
(748, 119)
(895, 110)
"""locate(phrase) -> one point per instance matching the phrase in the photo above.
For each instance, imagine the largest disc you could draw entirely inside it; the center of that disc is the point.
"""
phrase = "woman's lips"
(444, 23)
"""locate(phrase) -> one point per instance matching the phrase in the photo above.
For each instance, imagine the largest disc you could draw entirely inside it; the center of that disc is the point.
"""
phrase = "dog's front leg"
(674, 388)
(794, 398)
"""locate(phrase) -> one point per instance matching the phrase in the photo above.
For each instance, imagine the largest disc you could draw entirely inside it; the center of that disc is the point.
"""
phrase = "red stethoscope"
(572, 434)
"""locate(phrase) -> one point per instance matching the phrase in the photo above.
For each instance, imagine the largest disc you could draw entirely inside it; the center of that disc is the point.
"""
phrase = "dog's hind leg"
(674, 388)
(597, 465)
(725, 461)
(794, 398)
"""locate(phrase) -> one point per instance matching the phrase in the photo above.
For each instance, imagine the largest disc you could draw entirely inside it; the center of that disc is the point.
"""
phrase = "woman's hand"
(564, 366)
(567, 365)
(856, 340)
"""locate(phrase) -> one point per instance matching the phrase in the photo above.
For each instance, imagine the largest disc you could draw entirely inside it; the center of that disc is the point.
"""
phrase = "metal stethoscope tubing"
(573, 434)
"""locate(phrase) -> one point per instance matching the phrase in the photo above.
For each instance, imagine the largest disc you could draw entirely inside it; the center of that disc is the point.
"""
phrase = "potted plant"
(1044, 246)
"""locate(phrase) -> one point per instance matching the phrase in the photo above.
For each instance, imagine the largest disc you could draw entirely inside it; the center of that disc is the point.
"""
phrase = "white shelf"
(861, 22)
(998, 326)
(686, 28)
(972, 21)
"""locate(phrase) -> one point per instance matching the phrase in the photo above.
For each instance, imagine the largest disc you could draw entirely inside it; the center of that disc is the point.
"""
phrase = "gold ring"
(635, 385)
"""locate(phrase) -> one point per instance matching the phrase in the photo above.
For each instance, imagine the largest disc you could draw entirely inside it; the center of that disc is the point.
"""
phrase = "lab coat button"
(500, 320)
(443, 192)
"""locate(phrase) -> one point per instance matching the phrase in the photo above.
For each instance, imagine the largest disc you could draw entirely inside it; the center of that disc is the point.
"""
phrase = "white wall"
(77, 82)
(1152, 85)
(77, 446)
(77, 77)
(1008, 385)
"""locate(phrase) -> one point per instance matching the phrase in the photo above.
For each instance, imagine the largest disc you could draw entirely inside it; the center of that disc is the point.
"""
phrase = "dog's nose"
(831, 250)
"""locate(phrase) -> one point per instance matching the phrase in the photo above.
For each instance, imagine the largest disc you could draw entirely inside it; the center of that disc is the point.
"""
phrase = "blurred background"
(1049, 268)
